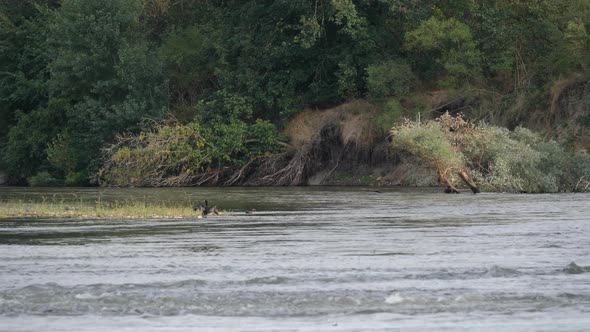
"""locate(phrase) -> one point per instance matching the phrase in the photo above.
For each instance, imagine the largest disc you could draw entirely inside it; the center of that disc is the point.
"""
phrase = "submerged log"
(450, 189)
(444, 180)
(469, 182)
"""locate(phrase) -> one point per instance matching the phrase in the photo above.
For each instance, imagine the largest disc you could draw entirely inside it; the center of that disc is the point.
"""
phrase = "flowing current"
(308, 259)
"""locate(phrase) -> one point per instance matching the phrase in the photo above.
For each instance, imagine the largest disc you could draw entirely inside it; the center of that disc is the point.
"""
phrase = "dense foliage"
(90, 74)
(76, 73)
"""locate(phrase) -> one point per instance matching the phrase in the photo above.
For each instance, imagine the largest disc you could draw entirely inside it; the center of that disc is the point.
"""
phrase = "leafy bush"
(578, 177)
(60, 154)
(263, 137)
(63, 159)
(77, 179)
(391, 113)
(44, 179)
(520, 161)
(175, 155)
(224, 107)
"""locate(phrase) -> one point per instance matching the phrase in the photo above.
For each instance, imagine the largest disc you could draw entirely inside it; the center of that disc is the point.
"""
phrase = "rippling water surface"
(311, 259)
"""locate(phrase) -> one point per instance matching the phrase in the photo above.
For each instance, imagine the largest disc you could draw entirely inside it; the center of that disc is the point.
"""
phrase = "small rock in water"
(573, 268)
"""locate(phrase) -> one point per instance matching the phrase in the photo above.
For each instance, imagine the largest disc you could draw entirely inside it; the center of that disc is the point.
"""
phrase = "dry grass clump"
(319, 138)
(358, 131)
(353, 124)
(115, 210)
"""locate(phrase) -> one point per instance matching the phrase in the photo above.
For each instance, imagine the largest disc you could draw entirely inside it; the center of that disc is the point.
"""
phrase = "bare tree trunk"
(469, 182)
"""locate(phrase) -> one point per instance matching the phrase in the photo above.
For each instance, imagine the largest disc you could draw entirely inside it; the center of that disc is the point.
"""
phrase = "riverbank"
(353, 144)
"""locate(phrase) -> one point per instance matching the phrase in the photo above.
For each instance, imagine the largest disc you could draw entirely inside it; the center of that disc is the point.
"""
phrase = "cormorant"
(206, 209)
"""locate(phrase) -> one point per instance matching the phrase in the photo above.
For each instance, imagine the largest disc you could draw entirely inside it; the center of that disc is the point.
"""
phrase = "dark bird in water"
(206, 209)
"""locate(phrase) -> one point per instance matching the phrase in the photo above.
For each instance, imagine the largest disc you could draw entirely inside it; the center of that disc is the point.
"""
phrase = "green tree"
(449, 44)
(23, 87)
(105, 76)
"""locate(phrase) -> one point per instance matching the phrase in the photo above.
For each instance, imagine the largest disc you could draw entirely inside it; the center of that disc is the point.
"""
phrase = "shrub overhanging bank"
(188, 155)
(498, 159)
(240, 154)
(341, 139)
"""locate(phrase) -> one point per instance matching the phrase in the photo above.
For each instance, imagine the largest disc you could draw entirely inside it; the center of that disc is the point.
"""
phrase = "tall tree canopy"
(95, 74)
(74, 73)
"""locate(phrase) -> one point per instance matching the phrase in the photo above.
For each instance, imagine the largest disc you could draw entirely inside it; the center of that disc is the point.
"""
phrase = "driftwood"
(443, 179)
(451, 189)
(469, 182)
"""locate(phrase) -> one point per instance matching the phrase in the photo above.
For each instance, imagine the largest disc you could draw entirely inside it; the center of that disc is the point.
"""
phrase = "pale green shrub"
(497, 158)
(429, 142)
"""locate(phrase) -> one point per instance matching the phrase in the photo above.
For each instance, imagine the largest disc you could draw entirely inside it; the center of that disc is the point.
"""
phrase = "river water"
(308, 259)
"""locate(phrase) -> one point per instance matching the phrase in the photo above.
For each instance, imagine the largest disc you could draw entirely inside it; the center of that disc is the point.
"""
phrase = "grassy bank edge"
(127, 211)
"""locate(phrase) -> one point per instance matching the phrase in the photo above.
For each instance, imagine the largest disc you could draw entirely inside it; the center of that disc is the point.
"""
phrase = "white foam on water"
(394, 298)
